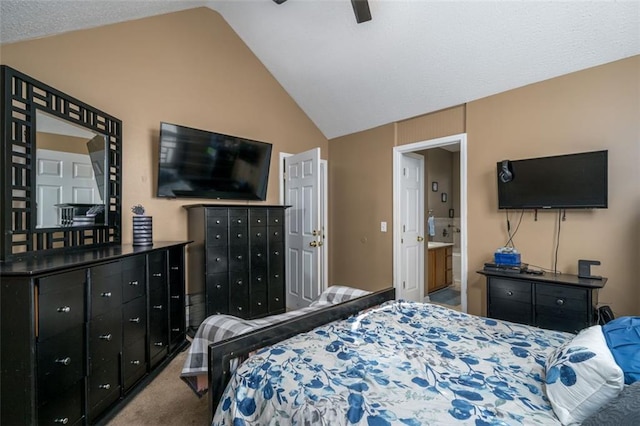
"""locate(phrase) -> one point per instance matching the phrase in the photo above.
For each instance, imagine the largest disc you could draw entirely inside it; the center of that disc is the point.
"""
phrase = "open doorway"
(446, 229)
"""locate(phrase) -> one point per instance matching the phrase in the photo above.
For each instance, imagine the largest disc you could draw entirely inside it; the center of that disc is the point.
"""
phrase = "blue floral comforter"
(402, 363)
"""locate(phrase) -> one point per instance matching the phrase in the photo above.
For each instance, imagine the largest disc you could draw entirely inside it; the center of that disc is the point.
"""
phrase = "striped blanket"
(221, 327)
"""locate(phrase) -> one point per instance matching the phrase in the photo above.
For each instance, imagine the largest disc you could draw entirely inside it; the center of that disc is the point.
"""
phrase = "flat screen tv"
(571, 181)
(200, 164)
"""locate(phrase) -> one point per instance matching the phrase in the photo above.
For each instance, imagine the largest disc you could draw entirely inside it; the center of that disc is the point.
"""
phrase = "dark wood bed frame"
(221, 353)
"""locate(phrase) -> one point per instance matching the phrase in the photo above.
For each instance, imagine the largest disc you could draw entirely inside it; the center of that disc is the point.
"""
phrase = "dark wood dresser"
(83, 332)
(560, 302)
(236, 261)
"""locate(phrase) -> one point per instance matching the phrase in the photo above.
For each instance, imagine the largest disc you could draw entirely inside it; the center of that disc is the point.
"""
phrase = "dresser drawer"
(259, 303)
(238, 258)
(217, 235)
(238, 236)
(134, 363)
(105, 337)
(133, 278)
(276, 299)
(259, 280)
(217, 259)
(517, 291)
(134, 320)
(238, 217)
(104, 387)
(65, 408)
(106, 288)
(60, 303)
(61, 362)
(217, 294)
(561, 297)
(276, 217)
(276, 235)
(257, 217)
(276, 257)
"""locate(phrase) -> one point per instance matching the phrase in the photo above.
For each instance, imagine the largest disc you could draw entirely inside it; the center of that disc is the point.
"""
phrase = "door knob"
(313, 243)
(420, 239)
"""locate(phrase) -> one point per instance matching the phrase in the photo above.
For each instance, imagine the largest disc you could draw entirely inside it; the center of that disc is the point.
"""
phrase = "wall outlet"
(383, 226)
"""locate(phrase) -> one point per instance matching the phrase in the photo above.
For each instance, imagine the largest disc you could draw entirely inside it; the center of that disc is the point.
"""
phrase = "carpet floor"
(446, 296)
(167, 400)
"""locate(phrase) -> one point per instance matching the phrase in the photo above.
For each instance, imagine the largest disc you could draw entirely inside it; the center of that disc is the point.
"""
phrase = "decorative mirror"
(61, 180)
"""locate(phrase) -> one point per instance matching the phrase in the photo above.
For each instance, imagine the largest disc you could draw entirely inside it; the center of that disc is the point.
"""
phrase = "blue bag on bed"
(623, 338)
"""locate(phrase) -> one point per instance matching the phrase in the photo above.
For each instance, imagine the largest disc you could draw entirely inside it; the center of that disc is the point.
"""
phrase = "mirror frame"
(21, 96)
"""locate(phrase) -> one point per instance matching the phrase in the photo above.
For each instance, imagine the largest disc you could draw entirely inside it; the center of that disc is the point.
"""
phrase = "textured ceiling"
(413, 57)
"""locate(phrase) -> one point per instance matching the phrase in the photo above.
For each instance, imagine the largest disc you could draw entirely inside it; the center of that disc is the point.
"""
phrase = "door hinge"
(404, 285)
(404, 171)
(284, 175)
(404, 228)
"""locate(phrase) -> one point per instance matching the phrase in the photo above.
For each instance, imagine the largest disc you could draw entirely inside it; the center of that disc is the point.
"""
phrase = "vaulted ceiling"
(411, 58)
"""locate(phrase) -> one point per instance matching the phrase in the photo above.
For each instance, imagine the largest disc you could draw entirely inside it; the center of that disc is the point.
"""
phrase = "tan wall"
(360, 197)
(187, 68)
(592, 109)
(63, 143)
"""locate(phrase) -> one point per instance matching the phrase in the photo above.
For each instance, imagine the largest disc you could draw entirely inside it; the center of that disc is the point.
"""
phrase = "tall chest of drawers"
(81, 332)
(236, 260)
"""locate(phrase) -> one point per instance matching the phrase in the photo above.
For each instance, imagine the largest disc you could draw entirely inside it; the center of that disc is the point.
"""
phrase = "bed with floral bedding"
(400, 363)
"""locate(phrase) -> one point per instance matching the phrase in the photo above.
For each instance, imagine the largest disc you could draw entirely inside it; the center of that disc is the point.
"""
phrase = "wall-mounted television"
(201, 164)
(571, 181)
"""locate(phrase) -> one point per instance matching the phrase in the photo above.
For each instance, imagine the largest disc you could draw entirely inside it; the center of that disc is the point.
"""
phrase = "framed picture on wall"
(434, 186)
(443, 197)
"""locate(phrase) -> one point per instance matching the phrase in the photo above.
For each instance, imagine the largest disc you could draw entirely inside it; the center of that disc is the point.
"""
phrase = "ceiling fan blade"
(361, 9)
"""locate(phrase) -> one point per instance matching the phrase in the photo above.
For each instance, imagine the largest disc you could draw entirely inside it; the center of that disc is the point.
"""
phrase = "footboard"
(221, 353)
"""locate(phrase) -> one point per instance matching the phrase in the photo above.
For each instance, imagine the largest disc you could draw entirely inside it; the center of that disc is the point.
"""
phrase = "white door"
(304, 232)
(412, 223)
(62, 177)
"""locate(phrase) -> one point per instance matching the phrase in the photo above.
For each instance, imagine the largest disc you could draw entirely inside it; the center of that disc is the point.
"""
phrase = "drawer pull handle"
(63, 420)
(159, 344)
(175, 268)
(157, 274)
(560, 302)
(157, 306)
(277, 299)
(218, 286)
(136, 320)
(64, 309)
(106, 337)
(134, 283)
(259, 255)
(106, 294)
(106, 386)
(239, 257)
(239, 235)
(218, 222)
(135, 362)
(239, 220)
(276, 276)
(259, 234)
(239, 308)
(509, 293)
(276, 220)
(277, 253)
(218, 259)
(175, 329)
(259, 221)
(259, 303)
(239, 282)
(175, 297)
(64, 361)
(259, 279)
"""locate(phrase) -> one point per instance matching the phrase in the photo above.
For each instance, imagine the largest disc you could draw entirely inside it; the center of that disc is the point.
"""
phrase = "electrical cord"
(510, 240)
(555, 262)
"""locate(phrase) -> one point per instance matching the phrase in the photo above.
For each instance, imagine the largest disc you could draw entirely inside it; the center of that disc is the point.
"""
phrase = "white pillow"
(582, 376)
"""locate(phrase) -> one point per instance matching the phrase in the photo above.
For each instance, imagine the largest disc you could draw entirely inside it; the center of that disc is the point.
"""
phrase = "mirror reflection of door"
(69, 169)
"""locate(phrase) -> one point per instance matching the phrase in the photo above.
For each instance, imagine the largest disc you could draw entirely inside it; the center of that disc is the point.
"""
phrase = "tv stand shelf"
(560, 302)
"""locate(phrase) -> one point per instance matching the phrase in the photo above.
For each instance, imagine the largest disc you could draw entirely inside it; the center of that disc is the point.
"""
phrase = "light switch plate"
(383, 226)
